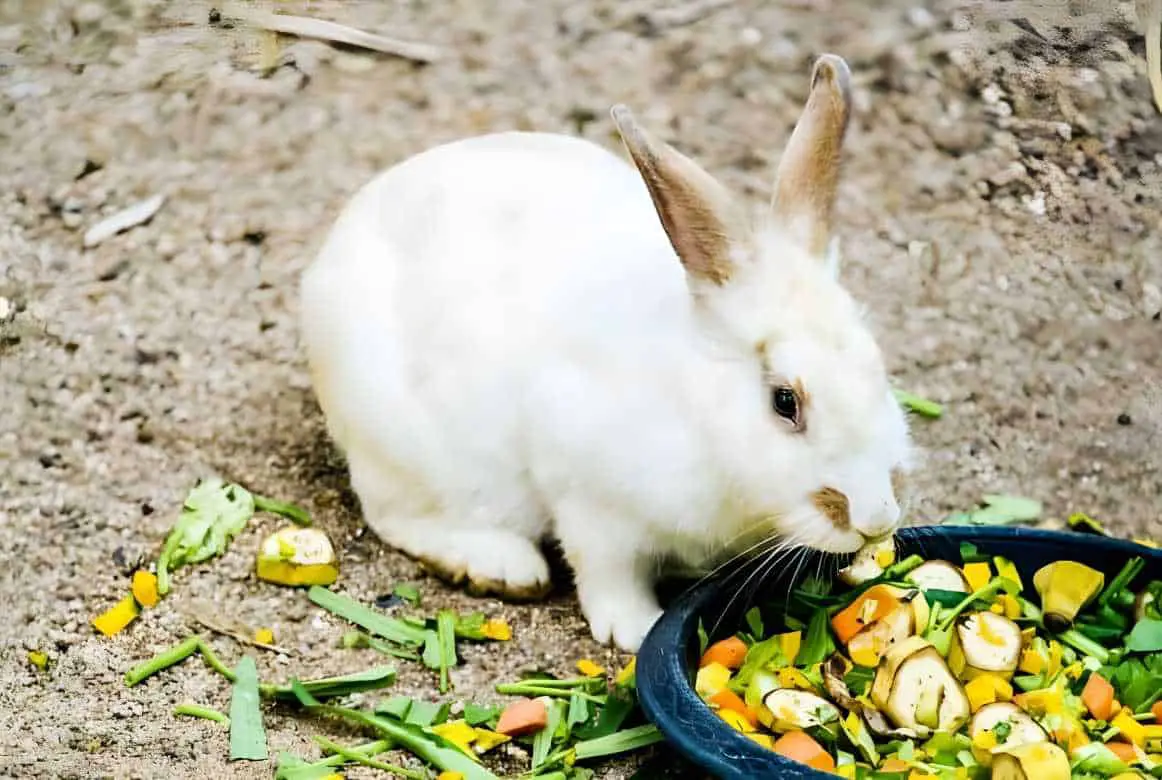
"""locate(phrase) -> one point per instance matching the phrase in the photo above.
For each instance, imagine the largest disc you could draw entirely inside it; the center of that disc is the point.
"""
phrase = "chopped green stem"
(520, 689)
(618, 742)
(214, 662)
(361, 757)
(914, 403)
(1131, 570)
(903, 567)
(295, 514)
(576, 682)
(366, 750)
(1145, 707)
(1074, 638)
(995, 586)
(198, 711)
(163, 660)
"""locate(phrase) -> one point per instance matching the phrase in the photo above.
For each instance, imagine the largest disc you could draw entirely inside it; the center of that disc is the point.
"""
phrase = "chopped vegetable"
(1146, 636)
(869, 562)
(247, 736)
(144, 588)
(1065, 588)
(1031, 761)
(195, 711)
(496, 629)
(524, 716)
(985, 642)
(38, 659)
(799, 746)
(729, 653)
(264, 636)
(940, 575)
(589, 668)
(789, 710)
(875, 603)
(711, 679)
(918, 405)
(213, 513)
(1005, 726)
(391, 629)
(727, 699)
(297, 556)
(917, 691)
(1098, 696)
(116, 618)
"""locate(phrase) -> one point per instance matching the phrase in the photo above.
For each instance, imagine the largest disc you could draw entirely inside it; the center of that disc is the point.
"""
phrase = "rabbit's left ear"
(700, 217)
(808, 175)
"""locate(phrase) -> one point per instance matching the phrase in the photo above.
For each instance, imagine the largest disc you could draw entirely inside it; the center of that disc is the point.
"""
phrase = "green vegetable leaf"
(999, 510)
(343, 685)
(213, 513)
(859, 679)
(618, 742)
(407, 592)
(396, 707)
(1096, 757)
(543, 740)
(703, 639)
(247, 736)
(1083, 523)
(427, 713)
(358, 639)
(754, 620)
(818, 644)
(767, 654)
(1146, 637)
(477, 715)
(391, 629)
(970, 554)
(618, 706)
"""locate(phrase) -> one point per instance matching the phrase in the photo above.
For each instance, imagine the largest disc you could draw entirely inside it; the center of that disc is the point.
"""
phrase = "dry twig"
(333, 32)
(237, 636)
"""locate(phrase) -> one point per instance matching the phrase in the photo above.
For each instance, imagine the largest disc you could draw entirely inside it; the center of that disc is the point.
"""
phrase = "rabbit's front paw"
(623, 615)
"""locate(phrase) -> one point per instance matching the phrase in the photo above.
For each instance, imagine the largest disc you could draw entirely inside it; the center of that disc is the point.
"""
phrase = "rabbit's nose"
(881, 524)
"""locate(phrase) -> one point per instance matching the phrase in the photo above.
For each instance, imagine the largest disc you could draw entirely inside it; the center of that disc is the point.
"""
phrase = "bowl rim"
(669, 700)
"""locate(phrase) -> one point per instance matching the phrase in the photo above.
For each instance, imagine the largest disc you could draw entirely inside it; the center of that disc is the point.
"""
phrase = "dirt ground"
(1001, 217)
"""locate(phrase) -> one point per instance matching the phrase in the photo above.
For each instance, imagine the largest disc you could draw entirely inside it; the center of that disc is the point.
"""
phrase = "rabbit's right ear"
(698, 214)
(808, 176)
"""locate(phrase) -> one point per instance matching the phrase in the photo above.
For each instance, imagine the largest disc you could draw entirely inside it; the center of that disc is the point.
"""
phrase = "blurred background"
(1000, 218)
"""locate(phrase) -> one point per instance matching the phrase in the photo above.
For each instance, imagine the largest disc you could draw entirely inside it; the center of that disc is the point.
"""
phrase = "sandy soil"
(1001, 216)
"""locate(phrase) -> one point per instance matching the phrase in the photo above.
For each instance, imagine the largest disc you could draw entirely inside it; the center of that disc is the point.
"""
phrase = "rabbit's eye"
(785, 404)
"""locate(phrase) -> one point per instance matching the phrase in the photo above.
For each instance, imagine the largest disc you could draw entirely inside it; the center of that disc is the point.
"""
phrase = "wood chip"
(137, 214)
(333, 32)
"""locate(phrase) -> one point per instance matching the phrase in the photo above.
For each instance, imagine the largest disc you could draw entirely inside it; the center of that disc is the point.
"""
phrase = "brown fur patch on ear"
(808, 176)
(834, 506)
(695, 210)
(899, 484)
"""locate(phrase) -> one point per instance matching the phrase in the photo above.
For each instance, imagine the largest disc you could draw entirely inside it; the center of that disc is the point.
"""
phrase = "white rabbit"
(509, 346)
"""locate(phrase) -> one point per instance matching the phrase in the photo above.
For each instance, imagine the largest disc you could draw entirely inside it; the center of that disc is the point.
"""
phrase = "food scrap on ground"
(297, 556)
(952, 670)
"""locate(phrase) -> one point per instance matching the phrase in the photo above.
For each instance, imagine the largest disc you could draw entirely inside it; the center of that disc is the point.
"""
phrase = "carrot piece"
(727, 699)
(894, 765)
(876, 602)
(729, 652)
(1098, 696)
(524, 716)
(1123, 750)
(1157, 710)
(799, 746)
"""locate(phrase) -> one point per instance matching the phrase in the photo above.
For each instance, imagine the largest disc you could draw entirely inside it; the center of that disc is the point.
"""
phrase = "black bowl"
(668, 656)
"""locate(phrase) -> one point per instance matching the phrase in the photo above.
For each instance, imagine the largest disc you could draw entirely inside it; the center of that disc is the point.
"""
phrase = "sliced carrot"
(729, 652)
(1123, 750)
(1157, 710)
(799, 746)
(876, 602)
(727, 699)
(1098, 696)
(894, 765)
(524, 716)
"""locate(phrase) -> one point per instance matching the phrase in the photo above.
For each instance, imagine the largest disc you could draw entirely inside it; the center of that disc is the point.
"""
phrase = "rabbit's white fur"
(505, 346)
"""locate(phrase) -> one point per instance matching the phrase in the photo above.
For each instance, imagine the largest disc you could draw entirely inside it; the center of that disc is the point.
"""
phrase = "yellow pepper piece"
(985, 740)
(264, 636)
(498, 629)
(736, 720)
(980, 692)
(865, 656)
(1011, 605)
(144, 588)
(449, 775)
(627, 674)
(885, 557)
(790, 643)
(38, 659)
(790, 677)
(1074, 670)
(486, 740)
(1031, 662)
(1045, 701)
(711, 679)
(1130, 728)
(1006, 569)
(997, 609)
(977, 574)
(1054, 665)
(459, 733)
(846, 771)
(914, 775)
(1146, 543)
(766, 740)
(117, 617)
(589, 669)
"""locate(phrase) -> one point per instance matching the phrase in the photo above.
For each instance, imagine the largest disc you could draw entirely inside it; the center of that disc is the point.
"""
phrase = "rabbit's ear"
(696, 211)
(808, 174)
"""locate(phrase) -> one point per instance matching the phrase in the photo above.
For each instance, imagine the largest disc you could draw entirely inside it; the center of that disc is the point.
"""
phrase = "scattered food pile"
(930, 669)
(562, 724)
